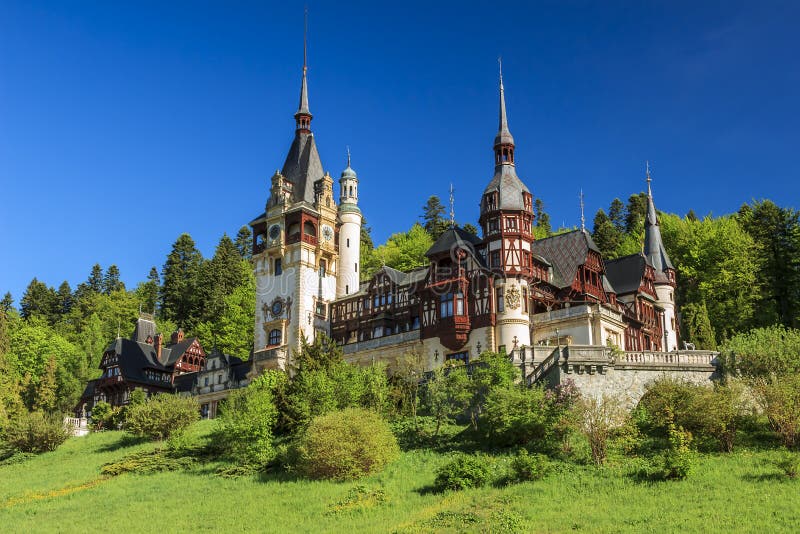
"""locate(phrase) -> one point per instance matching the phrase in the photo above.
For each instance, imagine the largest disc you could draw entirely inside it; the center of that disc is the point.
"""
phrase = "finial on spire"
(503, 141)
(348, 155)
(583, 219)
(303, 115)
(647, 171)
(452, 207)
(305, 39)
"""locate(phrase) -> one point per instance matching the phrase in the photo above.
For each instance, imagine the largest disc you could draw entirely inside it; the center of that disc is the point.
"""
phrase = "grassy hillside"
(63, 491)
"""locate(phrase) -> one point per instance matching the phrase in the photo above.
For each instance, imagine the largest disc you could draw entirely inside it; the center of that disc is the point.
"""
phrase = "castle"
(555, 306)
(504, 291)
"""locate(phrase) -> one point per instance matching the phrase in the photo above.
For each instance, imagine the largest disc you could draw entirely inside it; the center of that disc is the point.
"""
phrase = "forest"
(735, 273)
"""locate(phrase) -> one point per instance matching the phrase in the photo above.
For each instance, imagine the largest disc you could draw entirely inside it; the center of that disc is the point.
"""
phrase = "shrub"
(103, 416)
(447, 394)
(763, 351)
(717, 413)
(145, 462)
(667, 401)
(527, 467)
(248, 419)
(161, 416)
(463, 472)
(344, 445)
(677, 460)
(780, 400)
(36, 432)
(597, 419)
(525, 416)
(789, 463)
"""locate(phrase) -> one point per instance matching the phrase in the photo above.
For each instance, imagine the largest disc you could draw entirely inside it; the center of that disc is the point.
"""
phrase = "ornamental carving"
(513, 297)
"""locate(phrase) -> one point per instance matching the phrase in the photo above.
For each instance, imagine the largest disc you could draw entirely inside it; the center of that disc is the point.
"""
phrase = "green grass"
(63, 491)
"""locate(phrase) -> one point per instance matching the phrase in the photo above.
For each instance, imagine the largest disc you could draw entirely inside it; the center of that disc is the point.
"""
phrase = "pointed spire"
(653, 244)
(504, 141)
(303, 115)
(348, 156)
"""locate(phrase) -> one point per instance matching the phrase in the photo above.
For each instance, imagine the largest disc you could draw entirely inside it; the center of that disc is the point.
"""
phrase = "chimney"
(177, 336)
(157, 344)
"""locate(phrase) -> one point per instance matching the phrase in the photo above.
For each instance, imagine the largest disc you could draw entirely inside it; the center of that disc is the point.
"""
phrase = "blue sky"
(124, 124)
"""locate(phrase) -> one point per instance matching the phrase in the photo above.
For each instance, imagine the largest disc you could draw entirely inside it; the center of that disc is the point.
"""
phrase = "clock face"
(327, 232)
(277, 308)
(274, 231)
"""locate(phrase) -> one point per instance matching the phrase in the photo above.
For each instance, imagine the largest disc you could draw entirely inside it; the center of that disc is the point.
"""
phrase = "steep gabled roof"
(625, 274)
(565, 252)
(134, 358)
(452, 239)
(172, 353)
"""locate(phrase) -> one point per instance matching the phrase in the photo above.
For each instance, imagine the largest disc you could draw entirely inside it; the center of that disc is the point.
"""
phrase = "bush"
(667, 401)
(780, 400)
(463, 472)
(146, 462)
(36, 432)
(527, 467)
(525, 416)
(248, 419)
(597, 419)
(104, 416)
(789, 463)
(161, 416)
(345, 445)
(677, 460)
(763, 351)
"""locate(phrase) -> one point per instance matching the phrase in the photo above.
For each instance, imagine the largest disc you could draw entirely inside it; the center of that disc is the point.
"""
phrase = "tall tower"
(294, 248)
(665, 273)
(349, 221)
(507, 222)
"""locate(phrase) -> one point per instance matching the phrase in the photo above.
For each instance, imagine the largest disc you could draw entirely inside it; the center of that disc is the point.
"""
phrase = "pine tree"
(470, 229)
(95, 281)
(111, 281)
(38, 300)
(635, 213)
(220, 277)
(616, 213)
(64, 298)
(692, 216)
(605, 235)
(148, 291)
(542, 218)
(776, 231)
(181, 276)
(7, 303)
(433, 214)
(46, 397)
(697, 326)
(244, 242)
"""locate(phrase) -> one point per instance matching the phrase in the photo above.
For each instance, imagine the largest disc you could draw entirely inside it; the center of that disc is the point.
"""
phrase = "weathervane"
(348, 155)
(647, 171)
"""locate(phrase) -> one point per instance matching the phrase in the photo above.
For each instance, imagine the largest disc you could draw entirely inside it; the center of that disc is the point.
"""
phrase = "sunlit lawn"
(64, 492)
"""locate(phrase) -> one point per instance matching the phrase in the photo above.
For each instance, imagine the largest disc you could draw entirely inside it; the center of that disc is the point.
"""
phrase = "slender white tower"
(349, 220)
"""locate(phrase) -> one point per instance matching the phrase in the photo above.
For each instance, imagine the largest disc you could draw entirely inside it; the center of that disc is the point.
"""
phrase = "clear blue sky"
(124, 124)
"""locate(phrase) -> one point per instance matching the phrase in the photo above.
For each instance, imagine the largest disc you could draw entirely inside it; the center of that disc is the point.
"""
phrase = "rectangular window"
(458, 356)
(414, 323)
(459, 303)
(446, 305)
(278, 267)
(500, 304)
(494, 259)
(348, 242)
(356, 266)
(322, 268)
(205, 381)
(524, 300)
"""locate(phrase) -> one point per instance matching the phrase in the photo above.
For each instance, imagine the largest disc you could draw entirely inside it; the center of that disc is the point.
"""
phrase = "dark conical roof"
(451, 239)
(303, 166)
(653, 244)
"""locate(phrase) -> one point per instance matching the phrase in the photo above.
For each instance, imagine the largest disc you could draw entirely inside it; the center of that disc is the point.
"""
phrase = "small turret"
(347, 281)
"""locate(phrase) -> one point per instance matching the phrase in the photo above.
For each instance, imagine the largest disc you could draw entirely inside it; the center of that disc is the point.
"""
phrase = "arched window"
(274, 337)
(309, 229)
(294, 229)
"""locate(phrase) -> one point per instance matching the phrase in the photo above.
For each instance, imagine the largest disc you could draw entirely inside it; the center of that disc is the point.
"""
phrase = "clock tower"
(295, 250)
